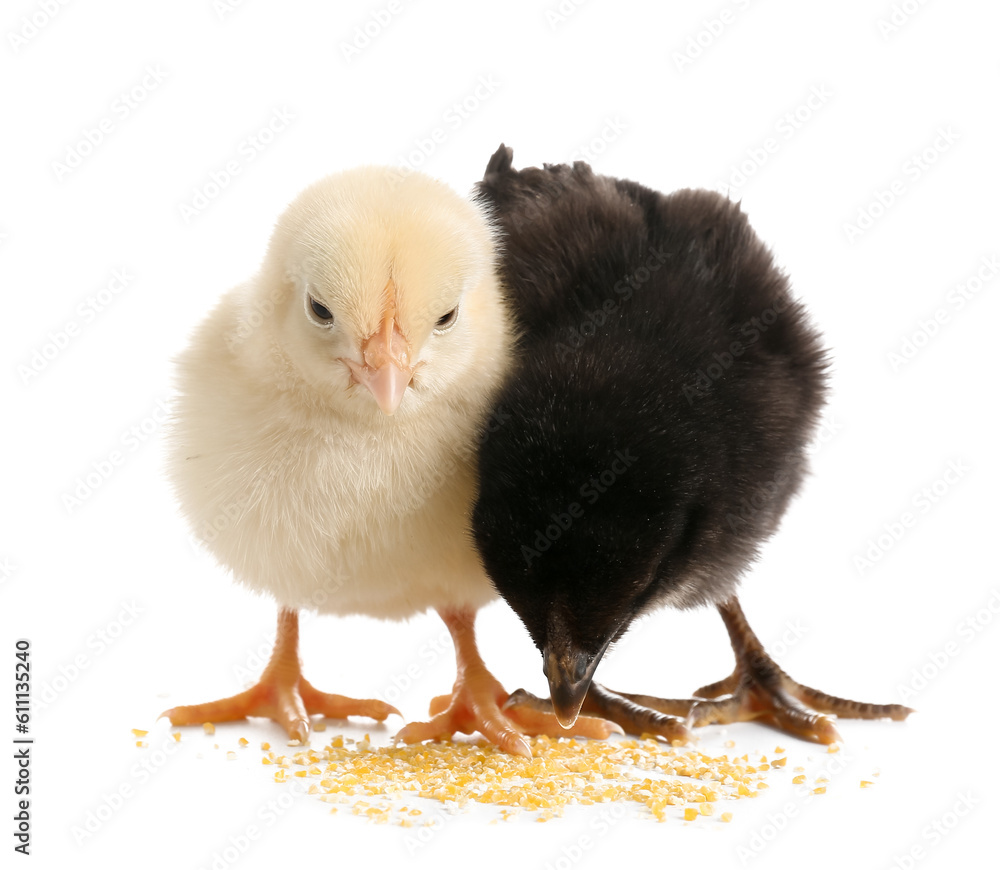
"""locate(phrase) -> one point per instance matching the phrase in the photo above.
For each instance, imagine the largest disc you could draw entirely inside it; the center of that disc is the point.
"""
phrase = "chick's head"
(379, 295)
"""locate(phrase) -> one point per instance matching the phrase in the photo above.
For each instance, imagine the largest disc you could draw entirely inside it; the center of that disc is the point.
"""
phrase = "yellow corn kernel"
(690, 814)
(706, 809)
(231, 756)
(866, 783)
(726, 817)
(244, 742)
(779, 762)
(138, 732)
(820, 790)
(209, 727)
(798, 780)
(177, 736)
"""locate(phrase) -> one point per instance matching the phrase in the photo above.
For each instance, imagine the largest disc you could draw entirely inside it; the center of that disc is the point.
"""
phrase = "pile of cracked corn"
(381, 783)
(377, 782)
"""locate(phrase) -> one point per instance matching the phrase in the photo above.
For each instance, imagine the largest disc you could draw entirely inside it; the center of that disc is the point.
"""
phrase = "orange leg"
(477, 703)
(282, 694)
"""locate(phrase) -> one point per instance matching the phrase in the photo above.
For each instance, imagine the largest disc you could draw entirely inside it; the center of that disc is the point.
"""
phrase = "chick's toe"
(282, 694)
(758, 689)
(477, 703)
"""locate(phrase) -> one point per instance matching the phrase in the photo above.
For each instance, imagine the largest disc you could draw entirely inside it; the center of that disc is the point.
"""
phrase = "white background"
(605, 77)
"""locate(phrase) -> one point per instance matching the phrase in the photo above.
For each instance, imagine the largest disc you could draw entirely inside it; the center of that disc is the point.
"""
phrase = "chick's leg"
(282, 694)
(759, 689)
(477, 699)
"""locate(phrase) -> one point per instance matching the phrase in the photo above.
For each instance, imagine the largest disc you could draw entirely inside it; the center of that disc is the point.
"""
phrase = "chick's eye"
(446, 320)
(320, 312)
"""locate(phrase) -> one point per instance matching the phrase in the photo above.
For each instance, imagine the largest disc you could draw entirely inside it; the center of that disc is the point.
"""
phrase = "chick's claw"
(758, 689)
(474, 705)
(479, 703)
(282, 694)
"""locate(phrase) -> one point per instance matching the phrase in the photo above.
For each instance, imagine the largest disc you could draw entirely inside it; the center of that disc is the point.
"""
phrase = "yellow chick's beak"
(386, 371)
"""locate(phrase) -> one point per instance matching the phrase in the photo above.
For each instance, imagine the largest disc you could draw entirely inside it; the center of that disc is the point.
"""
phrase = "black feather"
(660, 347)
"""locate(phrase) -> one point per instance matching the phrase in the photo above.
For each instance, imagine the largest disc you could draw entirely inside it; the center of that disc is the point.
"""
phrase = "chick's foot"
(477, 703)
(759, 689)
(282, 694)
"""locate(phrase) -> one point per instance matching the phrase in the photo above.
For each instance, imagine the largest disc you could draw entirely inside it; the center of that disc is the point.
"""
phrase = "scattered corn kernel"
(779, 762)
(265, 746)
(177, 736)
(690, 814)
(726, 817)
(779, 750)
(866, 783)
(820, 790)
(141, 744)
(561, 772)
(798, 780)
(231, 756)
(244, 742)
(833, 747)
(138, 732)
(209, 728)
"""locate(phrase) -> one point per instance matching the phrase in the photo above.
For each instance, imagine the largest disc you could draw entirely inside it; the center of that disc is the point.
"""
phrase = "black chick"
(649, 437)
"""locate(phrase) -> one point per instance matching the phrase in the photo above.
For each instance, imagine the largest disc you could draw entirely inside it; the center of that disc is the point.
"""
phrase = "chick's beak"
(386, 371)
(570, 672)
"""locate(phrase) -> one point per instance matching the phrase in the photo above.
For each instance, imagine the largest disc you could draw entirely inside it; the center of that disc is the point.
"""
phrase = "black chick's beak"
(570, 672)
